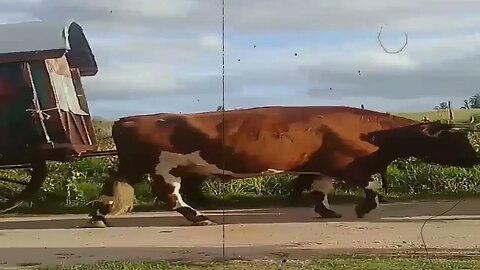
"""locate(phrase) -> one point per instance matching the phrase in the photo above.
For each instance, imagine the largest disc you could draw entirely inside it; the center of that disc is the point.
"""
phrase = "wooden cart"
(44, 114)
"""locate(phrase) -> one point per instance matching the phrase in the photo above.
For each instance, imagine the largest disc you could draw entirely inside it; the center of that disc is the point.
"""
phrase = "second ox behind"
(322, 142)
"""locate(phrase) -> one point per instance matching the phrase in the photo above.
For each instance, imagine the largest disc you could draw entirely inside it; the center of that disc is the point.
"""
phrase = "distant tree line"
(472, 102)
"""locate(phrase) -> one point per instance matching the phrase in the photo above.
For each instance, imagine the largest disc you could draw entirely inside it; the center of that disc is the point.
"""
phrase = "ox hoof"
(360, 210)
(331, 215)
(382, 199)
(327, 213)
(96, 224)
(204, 223)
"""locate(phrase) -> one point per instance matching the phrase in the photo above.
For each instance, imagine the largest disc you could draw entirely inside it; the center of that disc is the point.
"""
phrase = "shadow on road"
(391, 213)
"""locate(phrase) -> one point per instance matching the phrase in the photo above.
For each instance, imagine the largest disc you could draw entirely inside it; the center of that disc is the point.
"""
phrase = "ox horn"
(464, 127)
(457, 126)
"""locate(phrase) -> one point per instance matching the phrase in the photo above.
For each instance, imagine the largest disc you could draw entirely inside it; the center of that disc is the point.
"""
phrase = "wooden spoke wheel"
(19, 183)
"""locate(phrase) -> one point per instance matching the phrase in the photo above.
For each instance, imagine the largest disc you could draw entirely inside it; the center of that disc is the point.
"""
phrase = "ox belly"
(194, 163)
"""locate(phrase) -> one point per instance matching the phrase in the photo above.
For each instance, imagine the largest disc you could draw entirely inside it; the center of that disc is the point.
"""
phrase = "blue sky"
(165, 55)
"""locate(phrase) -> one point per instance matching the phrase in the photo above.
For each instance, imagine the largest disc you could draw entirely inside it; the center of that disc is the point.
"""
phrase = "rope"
(423, 225)
(41, 113)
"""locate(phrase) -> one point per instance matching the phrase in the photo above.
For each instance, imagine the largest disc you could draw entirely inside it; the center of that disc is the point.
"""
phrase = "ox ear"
(376, 137)
(367, 137)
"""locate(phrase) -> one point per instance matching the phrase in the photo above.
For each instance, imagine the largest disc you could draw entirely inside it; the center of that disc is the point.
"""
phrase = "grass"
(333, 264)
(459, 115)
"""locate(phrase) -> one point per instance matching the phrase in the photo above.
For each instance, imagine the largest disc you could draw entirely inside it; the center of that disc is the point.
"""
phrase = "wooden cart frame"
(44, 115)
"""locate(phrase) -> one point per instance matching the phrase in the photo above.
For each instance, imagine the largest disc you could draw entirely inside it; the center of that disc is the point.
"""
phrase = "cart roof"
(47, 39)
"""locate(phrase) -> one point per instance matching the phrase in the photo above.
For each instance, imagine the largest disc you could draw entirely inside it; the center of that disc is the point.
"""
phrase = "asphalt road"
(279, 233)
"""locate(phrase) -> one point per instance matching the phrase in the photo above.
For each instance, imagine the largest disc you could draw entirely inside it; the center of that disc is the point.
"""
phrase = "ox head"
(433, 142)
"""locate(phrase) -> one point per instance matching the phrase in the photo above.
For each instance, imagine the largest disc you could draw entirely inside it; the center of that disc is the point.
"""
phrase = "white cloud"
(127, 81)
(211, 42)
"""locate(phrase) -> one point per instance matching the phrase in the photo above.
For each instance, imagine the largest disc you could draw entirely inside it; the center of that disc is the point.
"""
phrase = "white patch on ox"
(377, 187)
(195, 163)
(377, 201)
(106, 200)
(374, 185)
(166, 162)
(323, 184)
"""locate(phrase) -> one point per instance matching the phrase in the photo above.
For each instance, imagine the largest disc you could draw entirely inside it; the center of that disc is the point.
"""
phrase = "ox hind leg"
(321, 187)
(168, 171)
(167, 189)
(191, 189)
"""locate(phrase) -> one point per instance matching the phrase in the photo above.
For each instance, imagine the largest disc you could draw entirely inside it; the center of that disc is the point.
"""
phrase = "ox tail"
(117, 195)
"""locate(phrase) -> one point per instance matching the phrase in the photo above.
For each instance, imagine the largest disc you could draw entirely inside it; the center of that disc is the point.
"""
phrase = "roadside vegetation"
(70, 186)
(332, 264)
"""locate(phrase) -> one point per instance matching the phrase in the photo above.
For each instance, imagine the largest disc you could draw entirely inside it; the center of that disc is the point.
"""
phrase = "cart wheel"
(14, 191)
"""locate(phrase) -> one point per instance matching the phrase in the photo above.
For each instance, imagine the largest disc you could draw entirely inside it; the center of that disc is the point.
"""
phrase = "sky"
(166, 55)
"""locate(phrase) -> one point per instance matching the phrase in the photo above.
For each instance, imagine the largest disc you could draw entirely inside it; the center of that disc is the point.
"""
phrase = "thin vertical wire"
(223, 126)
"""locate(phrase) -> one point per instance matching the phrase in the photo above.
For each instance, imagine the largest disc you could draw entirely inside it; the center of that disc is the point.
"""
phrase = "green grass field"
(459, 115)
(335, 264)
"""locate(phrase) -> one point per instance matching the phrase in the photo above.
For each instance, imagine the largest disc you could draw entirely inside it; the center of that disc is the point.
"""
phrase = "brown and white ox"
(321, 142)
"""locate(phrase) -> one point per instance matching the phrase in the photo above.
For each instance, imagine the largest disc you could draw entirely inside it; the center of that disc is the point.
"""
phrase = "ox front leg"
(321, 186)
(168, 190)
(371, 201)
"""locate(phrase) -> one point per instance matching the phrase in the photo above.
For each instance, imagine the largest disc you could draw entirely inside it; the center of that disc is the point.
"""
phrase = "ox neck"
(391, 154)
(375, 163)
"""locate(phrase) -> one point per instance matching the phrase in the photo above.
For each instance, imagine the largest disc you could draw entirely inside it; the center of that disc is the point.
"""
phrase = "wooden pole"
(450, 111)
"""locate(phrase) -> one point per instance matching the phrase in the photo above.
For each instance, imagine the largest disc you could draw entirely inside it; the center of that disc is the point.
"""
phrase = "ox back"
(249, 142)
(324, 141)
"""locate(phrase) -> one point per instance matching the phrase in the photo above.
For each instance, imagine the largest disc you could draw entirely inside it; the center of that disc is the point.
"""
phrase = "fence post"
(450, 112)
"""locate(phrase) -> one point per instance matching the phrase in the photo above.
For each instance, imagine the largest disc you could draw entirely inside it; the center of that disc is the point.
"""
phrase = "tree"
(466, 104)
(441, 106)
(475, 101)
